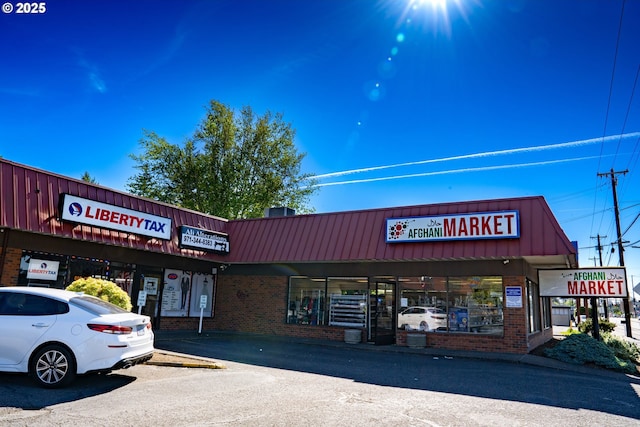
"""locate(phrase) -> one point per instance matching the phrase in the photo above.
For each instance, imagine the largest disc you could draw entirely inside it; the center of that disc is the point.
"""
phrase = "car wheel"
(424, 326)
(53, 366)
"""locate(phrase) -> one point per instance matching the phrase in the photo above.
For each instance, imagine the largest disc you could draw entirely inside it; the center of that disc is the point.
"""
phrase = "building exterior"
(460, 275)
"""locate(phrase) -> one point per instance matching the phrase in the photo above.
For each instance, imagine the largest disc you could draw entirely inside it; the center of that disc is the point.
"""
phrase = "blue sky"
(395, 102)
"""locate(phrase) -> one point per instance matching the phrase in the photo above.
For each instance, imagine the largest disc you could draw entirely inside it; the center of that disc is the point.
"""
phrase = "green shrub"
(570, 331)
(581, 349)
(103, 289)
(604, 325)
(622, 348)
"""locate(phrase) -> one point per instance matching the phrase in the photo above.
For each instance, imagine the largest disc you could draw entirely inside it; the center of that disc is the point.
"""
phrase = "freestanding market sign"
(601, 282)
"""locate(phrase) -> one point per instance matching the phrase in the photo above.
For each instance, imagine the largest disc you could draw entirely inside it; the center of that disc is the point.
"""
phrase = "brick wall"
(252, 304)
(11, 266)
(258, 305)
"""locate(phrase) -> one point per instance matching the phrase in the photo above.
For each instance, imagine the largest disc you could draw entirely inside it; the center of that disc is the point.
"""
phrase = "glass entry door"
(382, 313)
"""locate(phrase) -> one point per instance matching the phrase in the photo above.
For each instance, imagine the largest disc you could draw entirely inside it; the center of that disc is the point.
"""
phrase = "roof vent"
(280, 211)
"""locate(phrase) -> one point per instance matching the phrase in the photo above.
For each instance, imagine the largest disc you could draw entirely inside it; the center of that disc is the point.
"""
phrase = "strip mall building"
(463, 275)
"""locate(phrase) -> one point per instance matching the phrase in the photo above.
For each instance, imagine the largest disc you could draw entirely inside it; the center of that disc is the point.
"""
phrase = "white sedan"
(54, 335)
(422, 318)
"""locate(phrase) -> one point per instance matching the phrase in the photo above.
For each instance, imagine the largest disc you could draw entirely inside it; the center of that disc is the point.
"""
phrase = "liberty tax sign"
(89, 212)
(600, 282)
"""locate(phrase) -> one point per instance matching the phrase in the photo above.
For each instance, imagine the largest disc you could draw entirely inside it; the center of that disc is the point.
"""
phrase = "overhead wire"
(606, 119)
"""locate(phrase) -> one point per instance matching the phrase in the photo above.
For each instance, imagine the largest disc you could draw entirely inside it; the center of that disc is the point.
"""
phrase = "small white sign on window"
(151, 285)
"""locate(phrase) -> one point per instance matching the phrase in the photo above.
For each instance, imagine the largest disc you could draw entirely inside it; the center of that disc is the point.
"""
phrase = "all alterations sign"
(603, 282)
(206, 240)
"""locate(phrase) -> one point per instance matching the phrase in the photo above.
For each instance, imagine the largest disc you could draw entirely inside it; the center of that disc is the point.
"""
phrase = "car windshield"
(96, 305)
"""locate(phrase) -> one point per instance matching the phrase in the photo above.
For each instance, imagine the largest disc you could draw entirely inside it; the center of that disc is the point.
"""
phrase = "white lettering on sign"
(197, 238)
(483, 225)
(85, 211)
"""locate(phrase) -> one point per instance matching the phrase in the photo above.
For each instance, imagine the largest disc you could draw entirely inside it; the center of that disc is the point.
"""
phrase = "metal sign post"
(203, 304)
(142, 300)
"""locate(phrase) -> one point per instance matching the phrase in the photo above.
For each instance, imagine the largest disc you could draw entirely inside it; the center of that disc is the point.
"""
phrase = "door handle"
(40, 325)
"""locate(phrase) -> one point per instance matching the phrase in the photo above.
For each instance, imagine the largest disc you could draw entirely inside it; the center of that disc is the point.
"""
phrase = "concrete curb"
(180, 360)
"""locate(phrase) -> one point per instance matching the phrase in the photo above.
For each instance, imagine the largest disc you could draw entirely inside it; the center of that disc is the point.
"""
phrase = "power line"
(606, 118)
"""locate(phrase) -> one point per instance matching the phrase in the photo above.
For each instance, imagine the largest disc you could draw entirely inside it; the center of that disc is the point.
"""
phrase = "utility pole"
(625, 301)
(599, 248)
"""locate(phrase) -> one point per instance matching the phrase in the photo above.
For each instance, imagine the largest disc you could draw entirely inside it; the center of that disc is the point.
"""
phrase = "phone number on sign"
(24, 8)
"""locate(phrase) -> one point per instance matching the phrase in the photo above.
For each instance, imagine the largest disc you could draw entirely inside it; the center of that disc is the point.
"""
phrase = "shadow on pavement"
(19, 391)
(609, 392)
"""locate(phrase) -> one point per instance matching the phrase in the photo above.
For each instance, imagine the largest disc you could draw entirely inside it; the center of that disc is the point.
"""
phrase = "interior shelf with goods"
(474, 317)
(308, 308)
(348, 310)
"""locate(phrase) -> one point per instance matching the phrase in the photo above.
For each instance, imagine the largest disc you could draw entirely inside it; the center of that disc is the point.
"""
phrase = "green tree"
(88, 178)
(234, 166)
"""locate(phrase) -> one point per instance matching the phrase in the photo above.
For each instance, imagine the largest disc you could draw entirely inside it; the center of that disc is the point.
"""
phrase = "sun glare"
(435, 4)
(433, 14)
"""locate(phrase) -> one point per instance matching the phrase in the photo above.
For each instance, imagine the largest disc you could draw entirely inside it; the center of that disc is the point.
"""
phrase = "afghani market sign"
(472, 226)
(603, 282)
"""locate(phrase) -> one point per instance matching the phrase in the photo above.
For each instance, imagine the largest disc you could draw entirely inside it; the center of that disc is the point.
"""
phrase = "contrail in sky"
(446, 172)
(478, 155)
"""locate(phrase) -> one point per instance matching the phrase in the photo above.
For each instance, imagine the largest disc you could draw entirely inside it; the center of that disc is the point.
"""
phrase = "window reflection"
(455, 304)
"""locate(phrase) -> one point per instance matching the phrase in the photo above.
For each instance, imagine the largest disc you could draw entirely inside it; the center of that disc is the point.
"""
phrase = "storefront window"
(423, 303)
(43, 270)
(306, 305)
(122, 275)
(475, 304)
(80, 267)
(348, 301)
(546, 312)
(334, 301)
(454, 304)
(533, 307)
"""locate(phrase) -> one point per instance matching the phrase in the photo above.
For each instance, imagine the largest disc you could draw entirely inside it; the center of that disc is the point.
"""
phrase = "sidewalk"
(176, 358)
(620, 330)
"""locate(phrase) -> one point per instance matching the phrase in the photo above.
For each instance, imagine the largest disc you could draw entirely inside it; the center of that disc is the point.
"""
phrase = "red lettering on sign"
(463, 227)
(486, 226)
(509, 218)
(135, 219)
(449, 227)
(474, 226)
(595, 287)
(496, 224)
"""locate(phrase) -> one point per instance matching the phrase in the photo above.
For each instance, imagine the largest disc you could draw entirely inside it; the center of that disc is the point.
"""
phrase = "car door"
(416, 317)
(24, 319)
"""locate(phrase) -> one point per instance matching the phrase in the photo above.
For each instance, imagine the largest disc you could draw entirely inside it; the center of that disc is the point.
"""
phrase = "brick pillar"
(11, 266)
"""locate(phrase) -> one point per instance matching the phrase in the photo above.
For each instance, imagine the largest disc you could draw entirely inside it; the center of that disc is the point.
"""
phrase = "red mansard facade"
(455, 275)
